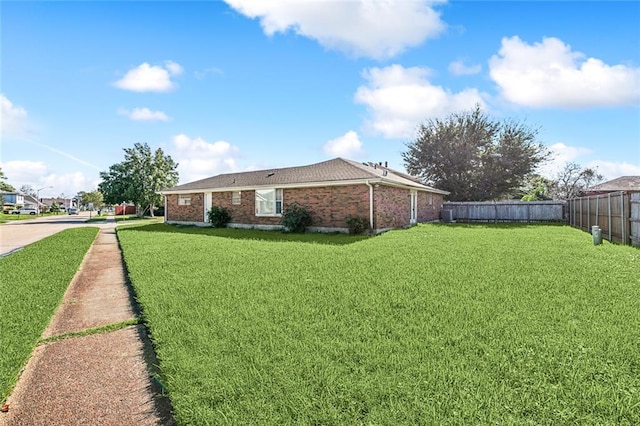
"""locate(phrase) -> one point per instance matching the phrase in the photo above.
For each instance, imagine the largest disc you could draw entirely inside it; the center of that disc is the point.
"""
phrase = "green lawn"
(437, 324)
(33, 282)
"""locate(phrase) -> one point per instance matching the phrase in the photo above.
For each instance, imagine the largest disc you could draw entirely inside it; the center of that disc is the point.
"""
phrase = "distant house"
(331, 191)
(12, 200)
(623, 183)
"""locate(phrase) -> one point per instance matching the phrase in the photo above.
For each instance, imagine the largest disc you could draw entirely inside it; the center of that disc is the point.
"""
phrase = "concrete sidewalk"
(100, 378)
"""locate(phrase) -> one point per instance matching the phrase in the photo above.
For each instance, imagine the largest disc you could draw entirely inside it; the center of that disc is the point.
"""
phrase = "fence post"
(622, 218)
(609, 217)
(588, 212)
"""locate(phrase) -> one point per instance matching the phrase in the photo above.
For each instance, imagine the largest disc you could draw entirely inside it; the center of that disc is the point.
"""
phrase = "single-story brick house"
(331, 191)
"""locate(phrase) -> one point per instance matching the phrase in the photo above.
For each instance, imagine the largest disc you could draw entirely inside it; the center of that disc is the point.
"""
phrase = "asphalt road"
(17, 234)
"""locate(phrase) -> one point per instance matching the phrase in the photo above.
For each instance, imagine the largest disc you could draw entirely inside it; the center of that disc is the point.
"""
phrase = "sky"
(238, 85)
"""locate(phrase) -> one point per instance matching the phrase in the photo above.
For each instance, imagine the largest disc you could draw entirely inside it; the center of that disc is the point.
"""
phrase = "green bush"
(357, 224)
(295, 218)
(219, 217)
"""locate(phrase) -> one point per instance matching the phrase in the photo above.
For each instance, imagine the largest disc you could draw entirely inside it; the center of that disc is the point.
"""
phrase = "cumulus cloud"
(550, 74)
(611, 170)
(399, 98)
(199, 159)
(38, 174)
(561, 154)
(347, 145)
(460, 68)
(13, 119)
(150, 78)
(372, 28)
(143, 114)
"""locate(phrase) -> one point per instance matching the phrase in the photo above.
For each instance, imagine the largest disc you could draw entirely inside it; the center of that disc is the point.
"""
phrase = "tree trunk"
(151, 210)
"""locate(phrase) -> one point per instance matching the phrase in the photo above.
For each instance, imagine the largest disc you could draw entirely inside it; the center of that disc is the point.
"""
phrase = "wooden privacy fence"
(616, 213)
(504, 211)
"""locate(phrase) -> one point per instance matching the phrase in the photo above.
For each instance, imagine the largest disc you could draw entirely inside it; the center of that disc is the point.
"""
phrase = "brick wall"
(190, 213)
(329, 206)
(429, 206)
(392, 208)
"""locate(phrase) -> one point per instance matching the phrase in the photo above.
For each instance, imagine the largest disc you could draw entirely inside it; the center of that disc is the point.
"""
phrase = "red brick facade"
(329, 206)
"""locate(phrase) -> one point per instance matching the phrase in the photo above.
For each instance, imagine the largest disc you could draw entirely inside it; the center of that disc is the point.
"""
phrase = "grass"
(33, 282)
(456, 324)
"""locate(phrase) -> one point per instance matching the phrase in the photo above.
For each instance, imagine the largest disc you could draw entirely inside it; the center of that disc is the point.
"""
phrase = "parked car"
(72, 210)
(25, 210)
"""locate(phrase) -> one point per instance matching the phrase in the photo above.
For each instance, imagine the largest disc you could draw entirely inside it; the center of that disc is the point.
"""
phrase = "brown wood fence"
(616, 213)
(505, 211)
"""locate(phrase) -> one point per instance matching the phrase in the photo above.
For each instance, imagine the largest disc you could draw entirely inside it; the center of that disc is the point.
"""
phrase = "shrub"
(357, 224)
(295, 218)
(219, 217)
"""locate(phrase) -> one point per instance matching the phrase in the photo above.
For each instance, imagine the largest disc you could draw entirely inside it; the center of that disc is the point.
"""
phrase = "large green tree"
(139, 177)
(4, 186)
(473, 156)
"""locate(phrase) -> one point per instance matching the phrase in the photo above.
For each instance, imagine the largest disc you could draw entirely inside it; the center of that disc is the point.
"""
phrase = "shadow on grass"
(251, 234)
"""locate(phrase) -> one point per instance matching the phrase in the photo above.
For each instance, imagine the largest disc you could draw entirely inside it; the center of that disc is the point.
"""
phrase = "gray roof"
(328, 172)
(623, 183)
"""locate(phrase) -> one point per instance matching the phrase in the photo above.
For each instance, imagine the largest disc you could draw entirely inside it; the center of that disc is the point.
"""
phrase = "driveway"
(17, 234)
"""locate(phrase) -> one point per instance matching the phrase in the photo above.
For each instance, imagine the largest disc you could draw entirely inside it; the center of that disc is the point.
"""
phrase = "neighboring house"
(31, 202)
(623, 183)
(62, 202)
(12, 199)
(331, 191)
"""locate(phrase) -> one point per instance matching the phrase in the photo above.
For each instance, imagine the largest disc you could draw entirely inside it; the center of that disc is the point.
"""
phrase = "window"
(268, 202)
(236, 197)
(184, 199)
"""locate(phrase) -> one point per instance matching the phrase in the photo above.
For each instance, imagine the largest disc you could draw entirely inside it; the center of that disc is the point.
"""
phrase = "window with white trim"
(236, 196)
(268, 202)
(184, 199)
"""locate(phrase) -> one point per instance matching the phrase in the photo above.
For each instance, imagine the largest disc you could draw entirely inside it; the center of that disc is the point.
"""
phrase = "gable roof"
(338, 171)
(623, 183)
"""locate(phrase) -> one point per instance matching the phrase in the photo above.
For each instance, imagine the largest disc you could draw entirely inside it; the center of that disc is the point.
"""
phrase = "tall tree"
(139, 178)
(4, 186)
(474, 157)
(572, 180)
(28, 189)
(93, 197)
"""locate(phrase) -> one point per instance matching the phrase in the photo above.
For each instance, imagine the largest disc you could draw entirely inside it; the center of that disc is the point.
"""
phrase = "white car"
(72, 210)
(25, 210)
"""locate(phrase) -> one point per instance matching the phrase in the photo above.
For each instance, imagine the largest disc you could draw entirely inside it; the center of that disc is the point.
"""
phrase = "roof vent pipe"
(385, 164)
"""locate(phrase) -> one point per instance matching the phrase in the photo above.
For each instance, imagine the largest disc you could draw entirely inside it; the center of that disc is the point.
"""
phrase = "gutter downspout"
(370, 205)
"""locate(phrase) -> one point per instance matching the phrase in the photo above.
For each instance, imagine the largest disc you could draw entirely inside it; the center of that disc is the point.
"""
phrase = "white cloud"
(13, 119)
(550, 74)
(347, 145)
(399, 98)
(38, 174)
(611, 170)
(143, 114)
(460, 68)
(372, 28)
(561, 154)
(199, 159)
(150, 78)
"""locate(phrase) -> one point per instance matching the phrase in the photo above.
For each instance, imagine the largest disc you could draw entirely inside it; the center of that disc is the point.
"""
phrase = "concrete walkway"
(100, 378)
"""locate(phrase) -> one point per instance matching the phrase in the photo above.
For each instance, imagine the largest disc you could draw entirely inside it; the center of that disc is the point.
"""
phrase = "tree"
(28, 190)
(572, 180)
(93, 197)
(474, 157)
(4, 186)
(537, 188)
(139, 178)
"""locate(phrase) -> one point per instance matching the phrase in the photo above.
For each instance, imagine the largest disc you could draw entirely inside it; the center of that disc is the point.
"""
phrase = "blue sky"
(242, 85)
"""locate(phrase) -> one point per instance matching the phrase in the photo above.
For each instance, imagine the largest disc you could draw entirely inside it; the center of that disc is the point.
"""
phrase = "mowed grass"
(437, 324)
(33, 282)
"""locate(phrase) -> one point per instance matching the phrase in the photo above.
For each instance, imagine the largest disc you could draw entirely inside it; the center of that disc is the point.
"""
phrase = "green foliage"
(33, 282)
(139, 178)
(219, 217)
(357, 224)
(474, 157)
(295, 218)
(537, 189)
(436, 324)
(94, 197)
(4, 186)
(55, 207)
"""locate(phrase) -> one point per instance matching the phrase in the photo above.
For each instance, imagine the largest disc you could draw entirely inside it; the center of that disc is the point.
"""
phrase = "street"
(17, 234)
